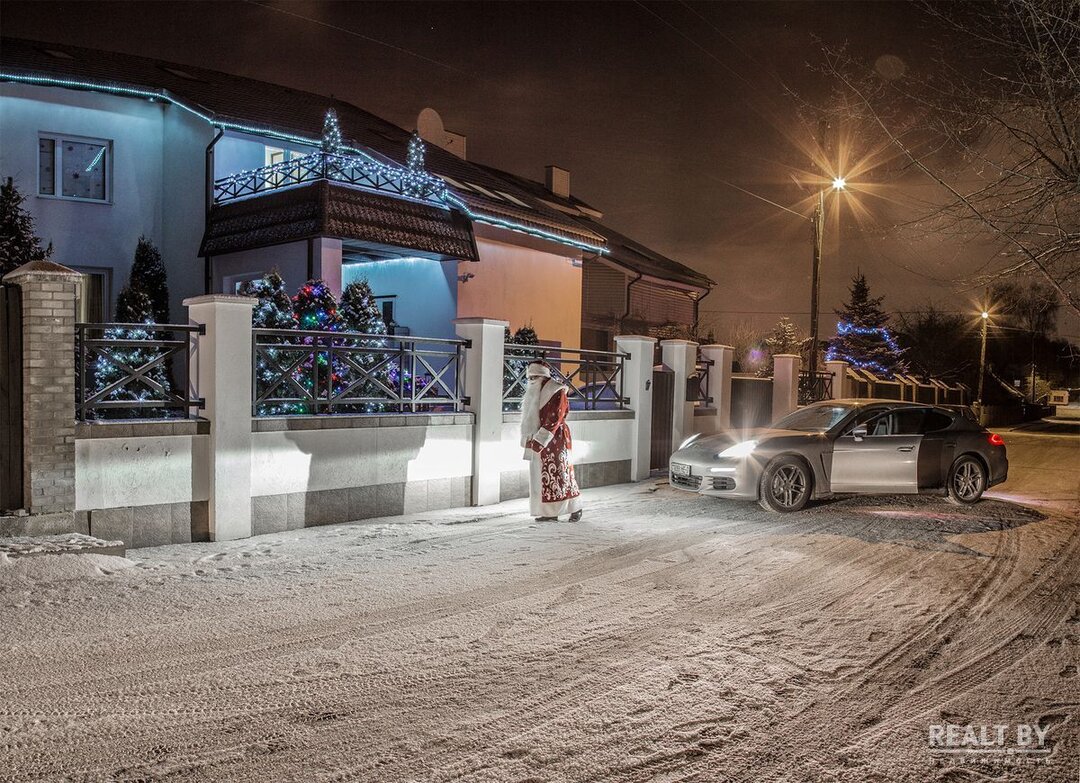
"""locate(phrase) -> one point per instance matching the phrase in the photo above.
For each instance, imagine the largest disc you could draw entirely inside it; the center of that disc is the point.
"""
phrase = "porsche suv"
(846, 447)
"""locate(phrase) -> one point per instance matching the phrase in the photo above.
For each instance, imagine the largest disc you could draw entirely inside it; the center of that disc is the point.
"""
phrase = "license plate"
(678, 469)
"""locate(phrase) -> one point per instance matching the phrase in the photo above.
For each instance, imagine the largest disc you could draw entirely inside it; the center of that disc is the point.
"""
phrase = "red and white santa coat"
(553, 489)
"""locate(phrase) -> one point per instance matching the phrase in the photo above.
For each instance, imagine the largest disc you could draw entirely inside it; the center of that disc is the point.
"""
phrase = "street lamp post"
(818, 228)
(982, 358)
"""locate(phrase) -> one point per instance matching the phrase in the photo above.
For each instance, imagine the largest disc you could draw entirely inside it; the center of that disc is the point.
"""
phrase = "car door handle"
(904, 448)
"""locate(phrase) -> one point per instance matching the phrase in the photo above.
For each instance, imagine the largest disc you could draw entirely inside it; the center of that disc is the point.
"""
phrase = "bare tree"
(996, 126)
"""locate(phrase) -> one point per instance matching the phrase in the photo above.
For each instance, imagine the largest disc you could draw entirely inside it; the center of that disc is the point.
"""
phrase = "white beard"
(530, 410)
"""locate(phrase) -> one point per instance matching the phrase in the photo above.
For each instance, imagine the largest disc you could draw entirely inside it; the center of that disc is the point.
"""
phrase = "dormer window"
(75, 168)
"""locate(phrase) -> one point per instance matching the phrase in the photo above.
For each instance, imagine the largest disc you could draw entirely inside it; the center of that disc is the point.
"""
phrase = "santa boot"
(576, 516)
(547, 519)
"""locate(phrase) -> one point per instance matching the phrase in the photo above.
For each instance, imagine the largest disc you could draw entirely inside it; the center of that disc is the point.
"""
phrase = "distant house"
(229, 177)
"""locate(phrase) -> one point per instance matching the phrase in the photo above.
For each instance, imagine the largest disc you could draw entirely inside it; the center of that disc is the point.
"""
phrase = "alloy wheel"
(788, 486)
(967, 481)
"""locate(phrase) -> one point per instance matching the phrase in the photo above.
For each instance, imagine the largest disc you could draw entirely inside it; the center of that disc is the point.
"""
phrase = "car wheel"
(785, 485)
(967, 481)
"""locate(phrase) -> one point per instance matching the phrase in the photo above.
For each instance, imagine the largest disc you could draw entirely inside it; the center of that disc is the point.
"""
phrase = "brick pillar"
(49, 292)
(637, 386)
(222, 375)
(484, 388)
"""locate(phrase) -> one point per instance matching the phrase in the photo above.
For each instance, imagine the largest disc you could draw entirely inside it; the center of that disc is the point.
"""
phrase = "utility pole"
(815, 274)
(982, 357)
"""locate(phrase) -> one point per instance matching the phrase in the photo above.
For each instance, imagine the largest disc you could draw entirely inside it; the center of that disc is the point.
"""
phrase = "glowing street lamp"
(838, 184)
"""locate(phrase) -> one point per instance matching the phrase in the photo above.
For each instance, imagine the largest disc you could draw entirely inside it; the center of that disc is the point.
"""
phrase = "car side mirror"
(859, 432)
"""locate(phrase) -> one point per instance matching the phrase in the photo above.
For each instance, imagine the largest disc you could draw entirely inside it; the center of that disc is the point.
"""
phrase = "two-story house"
(231, 177)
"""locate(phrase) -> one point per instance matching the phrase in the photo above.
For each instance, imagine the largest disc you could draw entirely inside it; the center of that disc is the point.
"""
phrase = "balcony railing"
(298, 372)
(814, 387)
(594, 379)
(346, 169)
(133, 370)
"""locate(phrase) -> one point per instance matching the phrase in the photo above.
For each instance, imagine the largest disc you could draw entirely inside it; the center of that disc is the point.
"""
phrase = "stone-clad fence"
(247, 441)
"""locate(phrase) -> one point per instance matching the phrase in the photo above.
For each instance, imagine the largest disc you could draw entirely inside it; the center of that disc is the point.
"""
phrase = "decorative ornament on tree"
(862, 337)
(18, 243)
(332, 142)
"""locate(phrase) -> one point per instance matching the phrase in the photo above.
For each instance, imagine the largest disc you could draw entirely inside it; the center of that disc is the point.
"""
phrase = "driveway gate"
(663, 393)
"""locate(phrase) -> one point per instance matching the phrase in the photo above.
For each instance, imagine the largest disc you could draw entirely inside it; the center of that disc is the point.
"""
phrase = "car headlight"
(739, 449)
(689, 440)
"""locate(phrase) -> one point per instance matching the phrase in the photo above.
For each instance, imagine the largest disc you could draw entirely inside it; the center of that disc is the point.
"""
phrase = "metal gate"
(11, 434)
(663, 398)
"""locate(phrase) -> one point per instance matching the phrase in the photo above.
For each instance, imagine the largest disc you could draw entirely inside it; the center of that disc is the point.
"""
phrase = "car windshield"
(815, 418)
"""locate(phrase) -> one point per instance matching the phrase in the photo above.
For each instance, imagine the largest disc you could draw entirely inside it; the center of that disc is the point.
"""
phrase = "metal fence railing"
(594, 378)
(125, 370)
(346, 169)
(296, 372)
(697, 385)
(814, 387)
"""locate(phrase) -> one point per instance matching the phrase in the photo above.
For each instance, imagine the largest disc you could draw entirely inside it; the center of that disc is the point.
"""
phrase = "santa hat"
(538, 370)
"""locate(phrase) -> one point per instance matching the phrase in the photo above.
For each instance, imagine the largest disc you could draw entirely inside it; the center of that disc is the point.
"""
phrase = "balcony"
(385, 207)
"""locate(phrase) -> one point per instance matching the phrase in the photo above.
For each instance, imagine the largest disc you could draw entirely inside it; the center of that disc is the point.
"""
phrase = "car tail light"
(996, 440)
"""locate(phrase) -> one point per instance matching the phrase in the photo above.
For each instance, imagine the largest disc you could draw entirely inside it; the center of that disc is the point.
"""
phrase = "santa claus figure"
(553, 490)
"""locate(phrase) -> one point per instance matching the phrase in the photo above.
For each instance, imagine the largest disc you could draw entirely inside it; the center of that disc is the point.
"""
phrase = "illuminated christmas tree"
(862, 336)
(316, 309)
(148, 275)
(515, 367)
(331, 133)
(274, 310)
(132, 306)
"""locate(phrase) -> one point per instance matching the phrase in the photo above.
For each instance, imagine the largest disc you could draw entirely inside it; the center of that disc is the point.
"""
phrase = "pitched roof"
(487, 194)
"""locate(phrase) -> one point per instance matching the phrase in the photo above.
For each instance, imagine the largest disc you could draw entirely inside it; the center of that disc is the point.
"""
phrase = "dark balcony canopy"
(324, 209)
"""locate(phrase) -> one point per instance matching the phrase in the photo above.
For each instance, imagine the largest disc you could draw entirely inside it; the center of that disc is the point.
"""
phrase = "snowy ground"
(664, 638)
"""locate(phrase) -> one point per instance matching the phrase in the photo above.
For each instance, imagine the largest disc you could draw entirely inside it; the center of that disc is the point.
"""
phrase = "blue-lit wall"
(426, 292)
(157, 181)
(236, 152)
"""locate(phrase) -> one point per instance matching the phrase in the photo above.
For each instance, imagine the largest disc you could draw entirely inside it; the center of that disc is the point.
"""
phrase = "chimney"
(429, 126)
(558, 181)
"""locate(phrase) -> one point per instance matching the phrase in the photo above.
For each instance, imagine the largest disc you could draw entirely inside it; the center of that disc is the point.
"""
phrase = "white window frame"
(58, 140)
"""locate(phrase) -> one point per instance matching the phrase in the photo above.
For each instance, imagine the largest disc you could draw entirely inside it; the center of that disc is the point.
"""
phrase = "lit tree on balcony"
(332, 141)
(862, 336)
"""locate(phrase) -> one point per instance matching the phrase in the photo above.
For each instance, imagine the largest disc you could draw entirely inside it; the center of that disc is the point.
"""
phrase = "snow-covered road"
(665, 638)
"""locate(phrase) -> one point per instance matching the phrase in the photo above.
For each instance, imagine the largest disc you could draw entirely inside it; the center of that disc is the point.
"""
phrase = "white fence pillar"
(681, 357)
(221, 374)
(722, 358)
(785, 388)
(484, 387)
(637, 386)
(838, 369)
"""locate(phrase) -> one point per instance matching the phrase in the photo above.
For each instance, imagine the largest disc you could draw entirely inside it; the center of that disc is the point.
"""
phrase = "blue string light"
(164, 95)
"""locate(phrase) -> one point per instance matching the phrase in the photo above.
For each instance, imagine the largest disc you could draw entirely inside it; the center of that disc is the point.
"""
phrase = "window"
(94, 295)
(909, 421)
(73, 167)
(275, 155)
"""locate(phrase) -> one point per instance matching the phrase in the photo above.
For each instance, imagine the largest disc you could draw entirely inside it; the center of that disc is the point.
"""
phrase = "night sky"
(653, 107)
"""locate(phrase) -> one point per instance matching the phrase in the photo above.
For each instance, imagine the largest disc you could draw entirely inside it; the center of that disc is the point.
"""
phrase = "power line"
(355, 34)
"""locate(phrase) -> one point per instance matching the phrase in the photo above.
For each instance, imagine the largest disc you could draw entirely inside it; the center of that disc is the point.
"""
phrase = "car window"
(935, 421)
(813, 418)
(908, 421)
